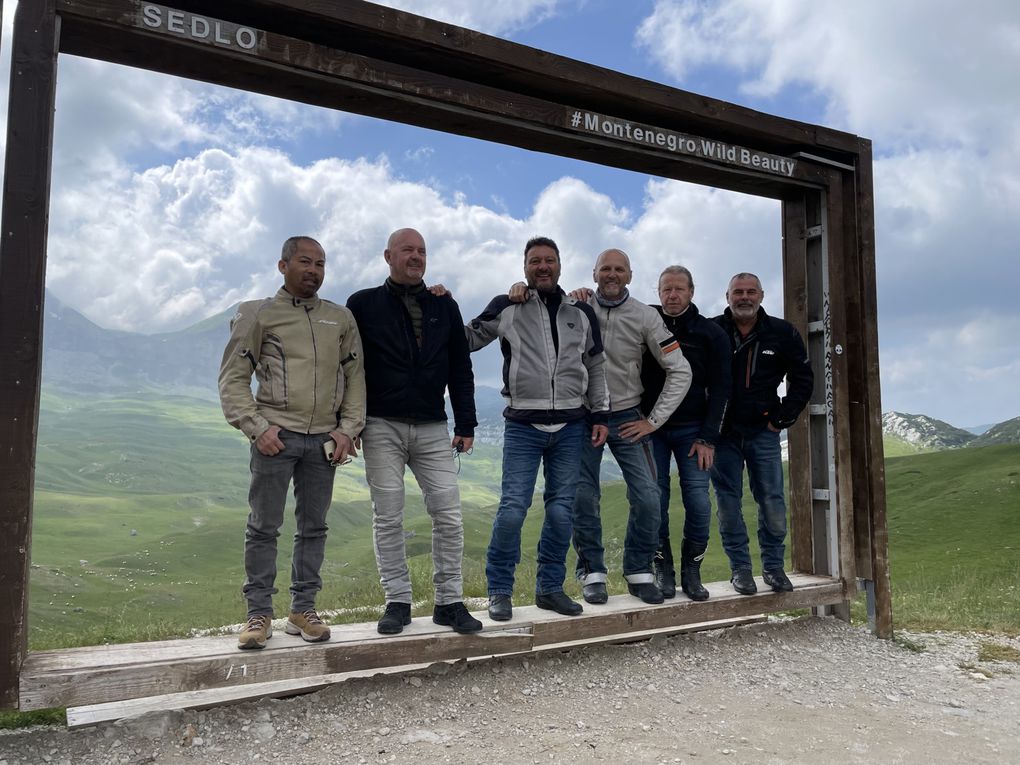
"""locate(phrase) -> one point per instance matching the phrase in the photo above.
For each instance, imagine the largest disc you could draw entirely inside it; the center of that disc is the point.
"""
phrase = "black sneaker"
(395, 618)
(457, 616)
(743, 581)
(777, 579)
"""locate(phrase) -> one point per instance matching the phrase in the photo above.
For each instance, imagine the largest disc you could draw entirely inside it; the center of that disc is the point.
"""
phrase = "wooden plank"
(67, 678)
(798, 441)
(296, 69)
(622, 617)
(231, 667)
(22, 276)
(94, 714)
(873, 403)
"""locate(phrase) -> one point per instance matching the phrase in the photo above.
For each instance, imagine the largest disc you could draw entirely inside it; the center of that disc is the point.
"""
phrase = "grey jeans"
(303, 460)
(425, 448)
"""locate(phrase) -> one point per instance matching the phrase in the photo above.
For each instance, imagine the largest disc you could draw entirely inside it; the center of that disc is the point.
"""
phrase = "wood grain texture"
(874, 448)
(104, 674)
(442, 99)
(26, 192)
(798, 436)
(114, 710)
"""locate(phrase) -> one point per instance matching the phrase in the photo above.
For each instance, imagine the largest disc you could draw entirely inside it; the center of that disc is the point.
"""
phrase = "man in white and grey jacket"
(554, 384)
(629, 329)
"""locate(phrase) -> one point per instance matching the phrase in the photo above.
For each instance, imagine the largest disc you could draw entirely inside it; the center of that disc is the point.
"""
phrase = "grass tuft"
(997, 652)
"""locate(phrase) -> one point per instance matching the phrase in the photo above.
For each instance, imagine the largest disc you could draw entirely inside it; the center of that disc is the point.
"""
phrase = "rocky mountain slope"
(924, 432)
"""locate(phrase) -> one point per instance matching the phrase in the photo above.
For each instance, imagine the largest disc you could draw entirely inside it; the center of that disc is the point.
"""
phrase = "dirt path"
(787, 691)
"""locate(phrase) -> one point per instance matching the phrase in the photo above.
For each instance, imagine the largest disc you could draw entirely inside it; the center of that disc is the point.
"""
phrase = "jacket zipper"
(315, 367)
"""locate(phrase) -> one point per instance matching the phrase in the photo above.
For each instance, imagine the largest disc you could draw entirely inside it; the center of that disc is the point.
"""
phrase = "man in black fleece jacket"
(415, 349)
(766, 350)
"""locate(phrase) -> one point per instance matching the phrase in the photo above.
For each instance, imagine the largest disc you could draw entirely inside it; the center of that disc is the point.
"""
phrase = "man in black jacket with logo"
(692, 430)
(766, 350)
(415, 349)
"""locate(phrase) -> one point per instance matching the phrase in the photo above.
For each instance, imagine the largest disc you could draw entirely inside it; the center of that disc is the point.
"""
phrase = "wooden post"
(798, 442)
(26, 195)
(878, 586)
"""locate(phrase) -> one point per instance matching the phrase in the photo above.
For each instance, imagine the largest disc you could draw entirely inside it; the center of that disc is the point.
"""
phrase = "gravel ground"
(786, 691)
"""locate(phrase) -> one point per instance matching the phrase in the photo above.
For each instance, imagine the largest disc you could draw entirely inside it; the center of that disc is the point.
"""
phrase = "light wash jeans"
(424, 447)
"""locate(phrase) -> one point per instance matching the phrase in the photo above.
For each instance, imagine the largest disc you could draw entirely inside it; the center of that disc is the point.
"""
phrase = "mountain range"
(925, 433)
(80, 356)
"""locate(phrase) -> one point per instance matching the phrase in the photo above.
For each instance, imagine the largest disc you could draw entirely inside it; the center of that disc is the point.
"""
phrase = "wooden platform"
(100, 674)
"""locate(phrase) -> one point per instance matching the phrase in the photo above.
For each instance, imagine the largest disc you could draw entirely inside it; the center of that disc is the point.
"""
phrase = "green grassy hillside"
(954, 538)
(140, 512)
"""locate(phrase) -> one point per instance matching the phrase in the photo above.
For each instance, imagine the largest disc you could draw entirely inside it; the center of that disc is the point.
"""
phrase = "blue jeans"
(677, 441)
(524, 447)
(638, 467)
(303, 460)
(761, 452)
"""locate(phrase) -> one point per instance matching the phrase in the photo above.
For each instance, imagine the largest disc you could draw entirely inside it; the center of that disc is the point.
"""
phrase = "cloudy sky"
(170, 198)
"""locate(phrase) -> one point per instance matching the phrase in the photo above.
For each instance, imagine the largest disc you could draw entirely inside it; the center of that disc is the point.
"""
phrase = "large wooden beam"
(293, 68)
(101, 674)
(26, 194)
(432, 46)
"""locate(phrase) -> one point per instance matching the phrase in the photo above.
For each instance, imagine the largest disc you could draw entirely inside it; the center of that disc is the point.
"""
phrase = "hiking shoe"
(777, 579)
(308, 625)
(457, 616)
(743, 581)
(394, 618)
(257, 630)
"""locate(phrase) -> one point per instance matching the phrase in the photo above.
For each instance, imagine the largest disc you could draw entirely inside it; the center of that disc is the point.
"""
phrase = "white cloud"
(491, 18)
(911, 70)
(170, 198)
(188, 239)
(934, 85)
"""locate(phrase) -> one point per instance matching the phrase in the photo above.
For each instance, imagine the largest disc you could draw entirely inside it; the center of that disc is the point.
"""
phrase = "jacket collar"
(687, 316)
(307, 303)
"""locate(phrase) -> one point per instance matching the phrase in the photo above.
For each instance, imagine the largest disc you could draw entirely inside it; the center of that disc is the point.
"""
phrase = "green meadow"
(140, 507)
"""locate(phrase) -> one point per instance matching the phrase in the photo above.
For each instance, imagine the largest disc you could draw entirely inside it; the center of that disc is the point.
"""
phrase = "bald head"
(612, 273)
(405, 254)
(613, 254)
